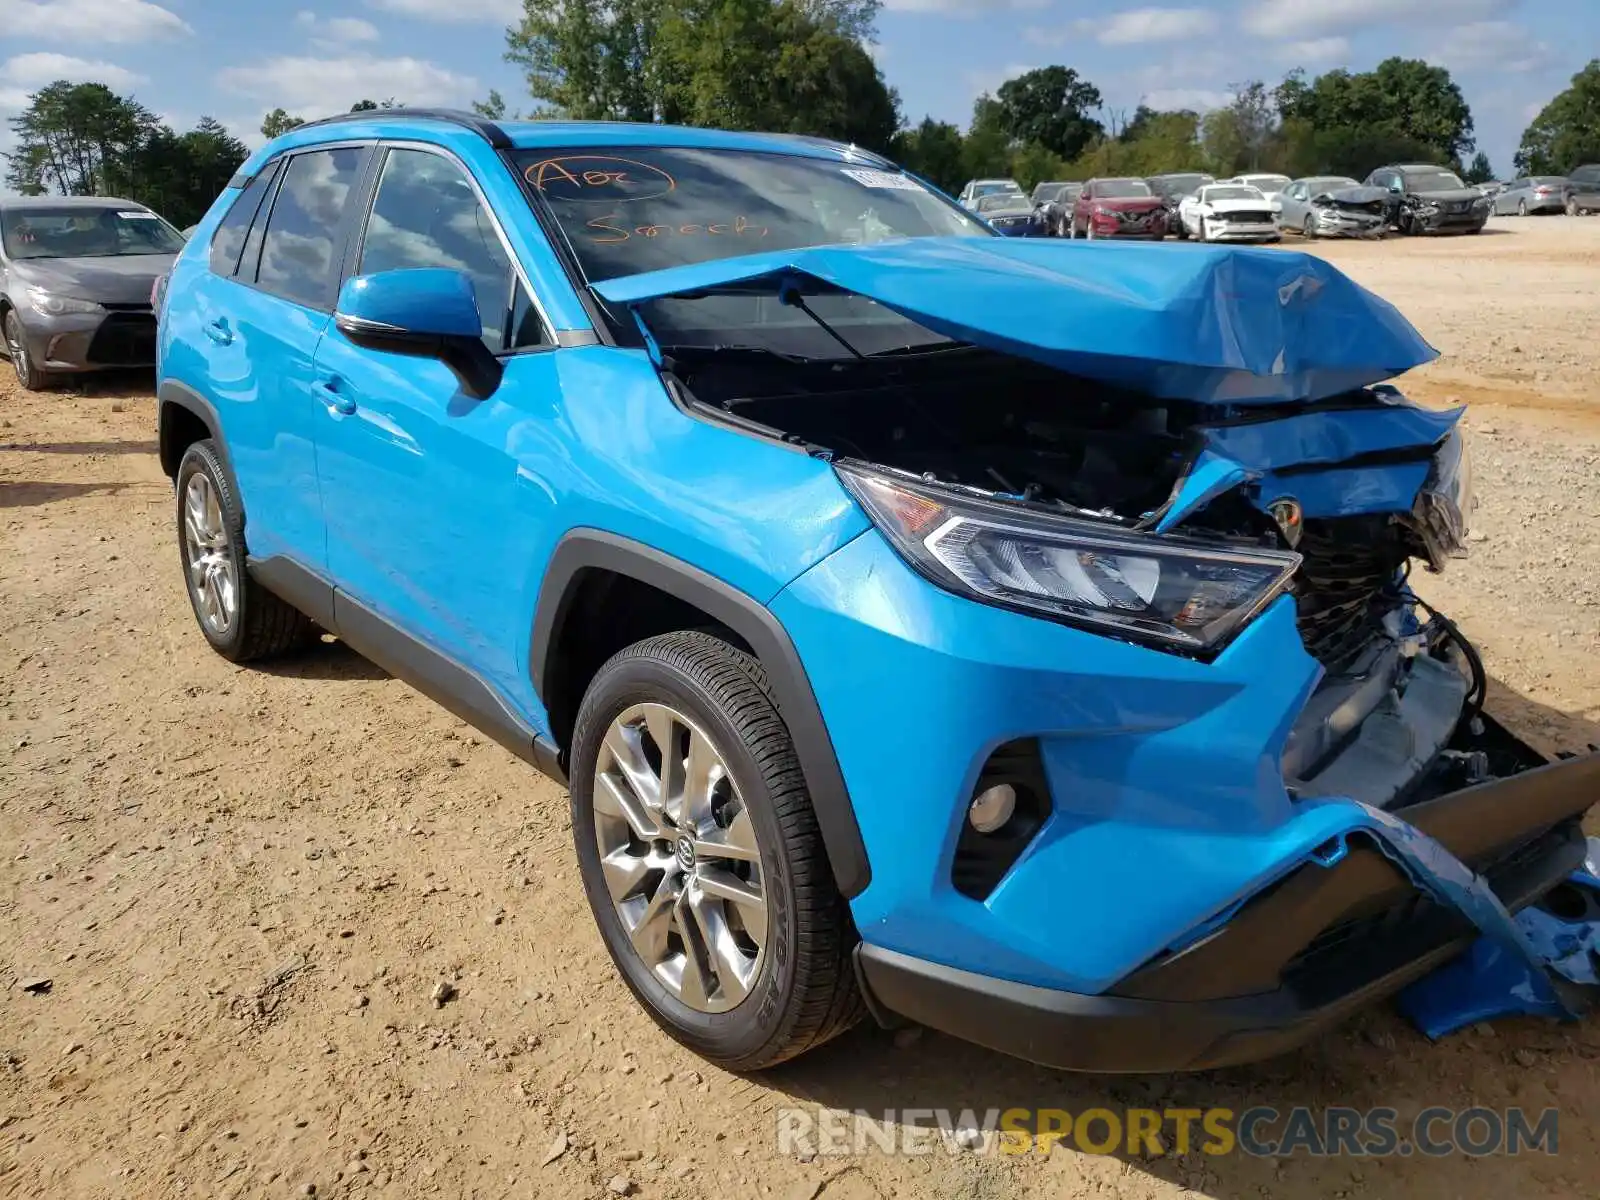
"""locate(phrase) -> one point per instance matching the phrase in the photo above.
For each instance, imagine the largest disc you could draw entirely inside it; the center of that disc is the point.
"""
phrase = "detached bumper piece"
(1376, 913)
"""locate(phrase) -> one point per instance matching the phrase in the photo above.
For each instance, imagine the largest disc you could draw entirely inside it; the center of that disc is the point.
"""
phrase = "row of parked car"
(1408, 198)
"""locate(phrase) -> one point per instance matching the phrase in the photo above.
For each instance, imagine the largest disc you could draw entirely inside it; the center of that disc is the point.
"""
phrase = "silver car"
(1331, 206)
(1533, 194)
(76, 275)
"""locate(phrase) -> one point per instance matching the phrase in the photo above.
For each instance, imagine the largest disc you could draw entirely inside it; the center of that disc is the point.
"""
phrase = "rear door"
(260, 312)
(418, 480)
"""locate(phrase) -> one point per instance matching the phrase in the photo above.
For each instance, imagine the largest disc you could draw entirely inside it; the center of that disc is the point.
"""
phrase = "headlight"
(48, 304)
(1178, 594)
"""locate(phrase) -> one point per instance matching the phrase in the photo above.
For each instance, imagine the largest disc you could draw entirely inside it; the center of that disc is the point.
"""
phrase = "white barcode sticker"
(882, 179)
(131, 215)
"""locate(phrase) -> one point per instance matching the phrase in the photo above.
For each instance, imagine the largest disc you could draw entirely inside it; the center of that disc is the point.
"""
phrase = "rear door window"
(302, 251)
(228, 240)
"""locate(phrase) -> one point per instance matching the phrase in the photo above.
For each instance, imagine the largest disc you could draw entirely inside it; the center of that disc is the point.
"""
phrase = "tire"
(1088, 231)
(801, 988)
(1572, 206)
(29, 375)
(240, 618)
(1205, 231)
(1308, 228)
(1522, 208)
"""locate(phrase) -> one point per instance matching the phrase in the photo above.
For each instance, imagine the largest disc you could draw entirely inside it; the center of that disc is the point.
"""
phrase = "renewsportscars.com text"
(1262, 1131)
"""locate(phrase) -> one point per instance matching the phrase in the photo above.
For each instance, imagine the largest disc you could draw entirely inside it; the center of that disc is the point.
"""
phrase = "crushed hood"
(1200, 323)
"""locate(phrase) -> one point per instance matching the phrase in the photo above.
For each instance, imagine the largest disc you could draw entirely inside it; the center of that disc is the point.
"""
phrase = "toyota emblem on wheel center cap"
(686, 854)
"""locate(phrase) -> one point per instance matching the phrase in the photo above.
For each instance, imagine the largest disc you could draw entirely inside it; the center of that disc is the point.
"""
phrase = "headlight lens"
(1175, 593)
(48, 304)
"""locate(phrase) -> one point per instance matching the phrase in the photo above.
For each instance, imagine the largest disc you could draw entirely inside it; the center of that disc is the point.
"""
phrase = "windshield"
(1268, 183)
(1548, 180)
(992, 187)
(1237, 192)
(648, 208)
(1047, 192)
(1180, 185)
(1323, 183)
(1113, 188)
(1433, 181)
(625, 212)
(78, 231)
(1003, 201)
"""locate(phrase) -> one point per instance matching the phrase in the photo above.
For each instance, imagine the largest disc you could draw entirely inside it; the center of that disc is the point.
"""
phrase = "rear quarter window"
(228, 240)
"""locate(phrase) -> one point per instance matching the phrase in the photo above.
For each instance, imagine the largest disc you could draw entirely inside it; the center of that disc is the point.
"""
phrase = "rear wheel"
(1572, 206)
(239, 617)
(29, 375)
(701, 857)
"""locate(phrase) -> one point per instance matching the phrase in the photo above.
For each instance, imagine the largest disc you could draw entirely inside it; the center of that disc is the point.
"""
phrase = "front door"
(418, 481)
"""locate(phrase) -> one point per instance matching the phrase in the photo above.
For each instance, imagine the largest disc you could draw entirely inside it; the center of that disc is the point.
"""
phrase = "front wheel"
(29, 375)
(1572, 206)
(701, 857)
(1522, 208)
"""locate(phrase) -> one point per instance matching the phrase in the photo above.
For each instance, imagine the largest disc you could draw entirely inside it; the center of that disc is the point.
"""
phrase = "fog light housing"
(992, 808)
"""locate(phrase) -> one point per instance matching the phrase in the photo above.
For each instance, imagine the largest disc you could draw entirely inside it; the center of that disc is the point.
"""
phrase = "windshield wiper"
(790, 295)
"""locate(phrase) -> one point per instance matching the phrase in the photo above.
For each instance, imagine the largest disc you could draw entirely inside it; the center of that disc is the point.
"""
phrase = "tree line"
(806, 67)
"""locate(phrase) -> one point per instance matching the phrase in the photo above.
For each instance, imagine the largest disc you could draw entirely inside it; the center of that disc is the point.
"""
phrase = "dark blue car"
(1008, 635)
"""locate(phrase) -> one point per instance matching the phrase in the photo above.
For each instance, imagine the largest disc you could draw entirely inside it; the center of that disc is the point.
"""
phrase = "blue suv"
(1008, 636)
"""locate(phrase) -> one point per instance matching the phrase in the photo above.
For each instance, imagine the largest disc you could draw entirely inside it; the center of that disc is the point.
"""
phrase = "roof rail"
(482, 126)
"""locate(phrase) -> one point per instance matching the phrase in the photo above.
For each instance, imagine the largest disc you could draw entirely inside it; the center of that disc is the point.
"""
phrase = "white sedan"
(1229, 212)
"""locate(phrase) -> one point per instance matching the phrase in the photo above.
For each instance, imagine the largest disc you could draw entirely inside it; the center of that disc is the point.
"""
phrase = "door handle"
(219, 332)
(336, 400)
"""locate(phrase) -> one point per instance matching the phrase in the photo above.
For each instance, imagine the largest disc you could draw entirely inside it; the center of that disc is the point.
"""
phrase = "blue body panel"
(441, 513)
(1212, 324)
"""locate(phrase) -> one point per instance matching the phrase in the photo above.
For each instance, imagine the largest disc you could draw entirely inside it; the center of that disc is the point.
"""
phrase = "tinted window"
(86, 231)
(1119, 188)
(299, 255)
(228, 240)
(425, 214)
(651, 207)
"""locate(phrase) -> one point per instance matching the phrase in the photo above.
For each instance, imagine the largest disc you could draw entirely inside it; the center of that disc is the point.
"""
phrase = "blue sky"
(236, 59)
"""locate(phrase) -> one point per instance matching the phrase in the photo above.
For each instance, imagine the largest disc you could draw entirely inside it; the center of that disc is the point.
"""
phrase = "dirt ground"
(244, 885)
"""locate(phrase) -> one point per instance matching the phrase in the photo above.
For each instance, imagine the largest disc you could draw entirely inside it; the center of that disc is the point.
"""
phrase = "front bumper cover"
(1293, 960)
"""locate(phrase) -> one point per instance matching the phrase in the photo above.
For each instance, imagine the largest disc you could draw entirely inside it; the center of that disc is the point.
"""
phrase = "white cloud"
(1197, 99)
(1503, 45)
(1305, 19)
(336, 29)
(1138, 25)
(309, 86)
(504, 11)
(89, 20)
(962, 8)
(25, 74)
(1315, 51)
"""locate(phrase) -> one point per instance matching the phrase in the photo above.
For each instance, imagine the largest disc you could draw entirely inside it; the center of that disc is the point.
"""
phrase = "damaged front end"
(1156, 452)
(1348, 212)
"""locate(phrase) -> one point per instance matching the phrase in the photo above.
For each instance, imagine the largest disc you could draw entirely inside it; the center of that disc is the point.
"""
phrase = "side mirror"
(425, 312)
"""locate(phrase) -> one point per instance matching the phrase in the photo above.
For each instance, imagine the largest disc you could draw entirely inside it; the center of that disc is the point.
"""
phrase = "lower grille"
(1342, 589)
(1247, 218)
(125, 339)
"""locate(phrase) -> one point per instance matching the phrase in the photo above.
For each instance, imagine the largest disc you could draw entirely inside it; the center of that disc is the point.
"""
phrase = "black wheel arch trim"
(172, 394)
(582, 550)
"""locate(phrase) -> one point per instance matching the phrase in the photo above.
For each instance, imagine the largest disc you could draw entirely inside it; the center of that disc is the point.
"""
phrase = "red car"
(1119, 208)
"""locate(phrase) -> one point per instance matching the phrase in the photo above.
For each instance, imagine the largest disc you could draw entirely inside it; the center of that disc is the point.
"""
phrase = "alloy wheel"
(1522, 208)
(680, 858)
(209, 555)
(17, 346)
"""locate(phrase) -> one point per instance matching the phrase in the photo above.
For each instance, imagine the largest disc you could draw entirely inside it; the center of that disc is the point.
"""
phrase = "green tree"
(1401, 101)
(934, 151)
(277, 122)
(67, 135)
(1566, 133)
(375, 105)
(1049, 107)
(1479, 171)
(986, 150)
(1035, 164)
(494, 107)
